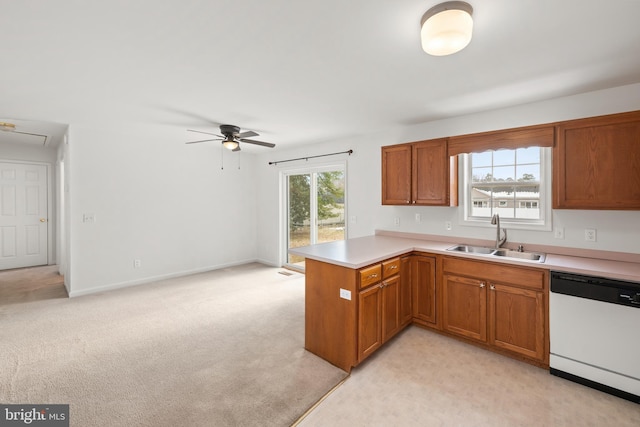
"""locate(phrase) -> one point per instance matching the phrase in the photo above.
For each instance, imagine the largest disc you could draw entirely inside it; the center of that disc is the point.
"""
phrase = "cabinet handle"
(393, 267)
(492, 287)
(372, 276)
(381, 285)
(482, 284)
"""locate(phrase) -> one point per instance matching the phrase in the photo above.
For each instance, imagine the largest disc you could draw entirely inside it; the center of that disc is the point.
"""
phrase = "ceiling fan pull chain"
(222, 157)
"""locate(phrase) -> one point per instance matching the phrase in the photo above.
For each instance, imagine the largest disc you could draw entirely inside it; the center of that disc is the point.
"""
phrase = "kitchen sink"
(506, 253)
(472, 249)
(531, 256)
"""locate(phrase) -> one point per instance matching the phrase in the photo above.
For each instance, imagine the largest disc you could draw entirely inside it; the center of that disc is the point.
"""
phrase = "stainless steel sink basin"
(472, 249)
(507, 253)
(531, 256)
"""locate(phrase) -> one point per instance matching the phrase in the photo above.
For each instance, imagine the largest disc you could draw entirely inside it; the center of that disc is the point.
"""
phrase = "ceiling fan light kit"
(446, 28)
(230, 144)
(232, 137)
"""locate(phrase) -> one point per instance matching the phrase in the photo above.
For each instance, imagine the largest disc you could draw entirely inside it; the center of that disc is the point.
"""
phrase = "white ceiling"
(296, 71)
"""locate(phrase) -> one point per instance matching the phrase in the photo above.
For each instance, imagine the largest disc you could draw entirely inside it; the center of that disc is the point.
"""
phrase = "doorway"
(24, 214)
(315, 209)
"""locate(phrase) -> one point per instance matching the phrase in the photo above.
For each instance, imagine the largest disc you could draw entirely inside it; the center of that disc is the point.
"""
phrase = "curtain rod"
(349, 152)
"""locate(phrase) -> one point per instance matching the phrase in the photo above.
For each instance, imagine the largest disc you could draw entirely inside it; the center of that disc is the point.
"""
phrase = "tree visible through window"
(315, 209)
(505, 182)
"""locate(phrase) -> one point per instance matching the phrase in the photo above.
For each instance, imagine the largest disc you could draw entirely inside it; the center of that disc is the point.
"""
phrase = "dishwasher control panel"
(629, 297)
(596, 288)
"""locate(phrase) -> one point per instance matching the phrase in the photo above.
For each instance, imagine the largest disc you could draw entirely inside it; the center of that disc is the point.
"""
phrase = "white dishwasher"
(594, 331)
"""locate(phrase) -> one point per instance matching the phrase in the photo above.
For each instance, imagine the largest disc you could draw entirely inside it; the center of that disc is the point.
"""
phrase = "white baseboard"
(128, 283)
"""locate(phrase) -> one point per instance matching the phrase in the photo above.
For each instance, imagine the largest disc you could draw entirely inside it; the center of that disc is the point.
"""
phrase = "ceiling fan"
(232, 137)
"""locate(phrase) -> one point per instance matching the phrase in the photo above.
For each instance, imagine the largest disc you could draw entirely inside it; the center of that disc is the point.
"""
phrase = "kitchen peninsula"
(361, 292)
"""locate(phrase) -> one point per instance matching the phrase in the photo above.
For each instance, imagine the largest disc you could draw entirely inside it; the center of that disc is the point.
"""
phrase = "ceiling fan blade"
(253, 141)
(206, 133)
(204, 140)
(247, 134)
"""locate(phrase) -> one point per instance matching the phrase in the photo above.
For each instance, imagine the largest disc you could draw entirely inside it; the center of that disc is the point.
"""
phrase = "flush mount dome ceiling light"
(7, 127)
(446, 28)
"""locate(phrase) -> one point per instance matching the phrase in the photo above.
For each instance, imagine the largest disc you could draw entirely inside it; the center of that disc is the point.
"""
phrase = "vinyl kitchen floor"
(422, 378)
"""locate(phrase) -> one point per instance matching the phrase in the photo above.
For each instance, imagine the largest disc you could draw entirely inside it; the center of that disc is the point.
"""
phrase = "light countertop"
(360, 252)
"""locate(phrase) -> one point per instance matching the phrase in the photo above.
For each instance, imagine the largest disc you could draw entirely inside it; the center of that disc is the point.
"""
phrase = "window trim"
(542, 224)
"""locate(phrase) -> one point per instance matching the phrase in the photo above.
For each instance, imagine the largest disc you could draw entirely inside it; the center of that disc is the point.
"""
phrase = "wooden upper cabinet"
(596, 163)
(419, 173)
(396, 175)
(430, 173)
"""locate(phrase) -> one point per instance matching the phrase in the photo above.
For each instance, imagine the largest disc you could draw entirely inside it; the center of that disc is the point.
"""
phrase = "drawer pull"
(393, 267)
(372, 276)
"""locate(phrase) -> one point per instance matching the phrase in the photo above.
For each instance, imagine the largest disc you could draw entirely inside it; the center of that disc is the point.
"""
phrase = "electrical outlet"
(558, 233)
(590, 234)
(137, 263)
(89, 217)
(345, 294)
(447, 225)
(418, 218)
(353, 219)
(397, 221)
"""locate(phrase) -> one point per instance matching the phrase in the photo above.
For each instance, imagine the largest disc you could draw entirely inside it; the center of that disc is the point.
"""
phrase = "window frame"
(544, 223)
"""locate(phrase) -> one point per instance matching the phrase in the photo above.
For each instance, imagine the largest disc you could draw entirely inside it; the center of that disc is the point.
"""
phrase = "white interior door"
(23, 215)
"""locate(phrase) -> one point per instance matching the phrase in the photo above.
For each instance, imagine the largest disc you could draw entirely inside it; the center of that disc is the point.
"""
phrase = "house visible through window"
(510, 183)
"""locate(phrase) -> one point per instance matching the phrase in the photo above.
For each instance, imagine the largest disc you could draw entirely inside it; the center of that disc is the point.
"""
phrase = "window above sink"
(514, 183)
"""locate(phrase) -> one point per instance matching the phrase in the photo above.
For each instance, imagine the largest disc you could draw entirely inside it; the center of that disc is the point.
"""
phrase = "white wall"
(616, 230)
(157, 200)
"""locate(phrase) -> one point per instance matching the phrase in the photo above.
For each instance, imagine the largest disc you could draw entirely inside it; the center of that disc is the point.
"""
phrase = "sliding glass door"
(315, 209)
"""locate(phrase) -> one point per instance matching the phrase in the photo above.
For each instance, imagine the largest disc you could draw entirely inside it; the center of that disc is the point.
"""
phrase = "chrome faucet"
(495, 220)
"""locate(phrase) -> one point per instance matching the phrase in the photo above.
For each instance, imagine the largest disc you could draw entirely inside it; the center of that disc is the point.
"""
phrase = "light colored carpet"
(222, 348)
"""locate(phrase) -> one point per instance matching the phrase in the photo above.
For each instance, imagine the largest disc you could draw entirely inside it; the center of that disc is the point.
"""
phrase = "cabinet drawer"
(370, 275)
(390, 268)
(500, 273)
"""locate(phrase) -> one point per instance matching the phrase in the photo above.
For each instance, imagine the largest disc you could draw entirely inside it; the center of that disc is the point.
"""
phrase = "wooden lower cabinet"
(379, 314)
(423, 281)
(516, 320)
(465, 307)
(369, 321)
(350, 313)
(500, 305)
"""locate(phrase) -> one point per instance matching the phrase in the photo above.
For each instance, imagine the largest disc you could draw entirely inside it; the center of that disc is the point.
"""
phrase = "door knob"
(43, 220)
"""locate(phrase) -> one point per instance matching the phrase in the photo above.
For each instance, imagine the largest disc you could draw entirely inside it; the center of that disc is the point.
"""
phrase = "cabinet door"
(430, 173)
(369, 325)
(596, 163)
(516, 320)
(396, 174)
(390, 307)
(406, 312)
(465, 307)
(423, 279)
